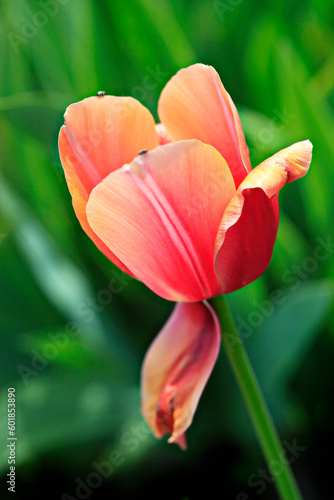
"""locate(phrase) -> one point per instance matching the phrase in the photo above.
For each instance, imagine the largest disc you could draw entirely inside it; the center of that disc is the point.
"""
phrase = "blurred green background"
(74, 330)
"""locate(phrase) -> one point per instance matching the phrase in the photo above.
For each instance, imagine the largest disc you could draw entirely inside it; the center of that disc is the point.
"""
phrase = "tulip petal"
(99, 136)
(195, 105)
(162, 134)
(177, 367)
(248, 229)
(160, 216)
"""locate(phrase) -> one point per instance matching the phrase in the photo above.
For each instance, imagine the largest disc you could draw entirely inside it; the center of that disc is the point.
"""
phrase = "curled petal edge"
(248, 229)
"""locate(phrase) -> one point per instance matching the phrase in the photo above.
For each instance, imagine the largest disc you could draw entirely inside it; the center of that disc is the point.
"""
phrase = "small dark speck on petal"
(101, 93)
(143, 151)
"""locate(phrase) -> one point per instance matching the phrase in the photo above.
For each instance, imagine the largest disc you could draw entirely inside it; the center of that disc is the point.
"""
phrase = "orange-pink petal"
(248, 229)
(99, 136)
(160, 216)
(195, 105)
(162, 134)
(177, 367)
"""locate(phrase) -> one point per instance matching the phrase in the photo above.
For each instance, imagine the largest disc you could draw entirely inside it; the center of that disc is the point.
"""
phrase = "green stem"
(256, 405)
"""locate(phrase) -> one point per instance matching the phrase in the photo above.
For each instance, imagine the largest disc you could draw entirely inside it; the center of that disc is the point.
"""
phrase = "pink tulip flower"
(178, 206)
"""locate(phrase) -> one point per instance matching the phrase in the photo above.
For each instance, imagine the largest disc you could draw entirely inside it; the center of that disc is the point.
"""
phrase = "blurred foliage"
(72, 346)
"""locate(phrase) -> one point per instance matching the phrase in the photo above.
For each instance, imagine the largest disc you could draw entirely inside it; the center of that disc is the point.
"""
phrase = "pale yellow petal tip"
(180, 440)
(297, 159)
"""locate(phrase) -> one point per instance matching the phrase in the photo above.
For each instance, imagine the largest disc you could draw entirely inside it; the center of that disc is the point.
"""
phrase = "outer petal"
(99, 136)
(195, 105)
(160, 216)
(248, 229)
(177, 367)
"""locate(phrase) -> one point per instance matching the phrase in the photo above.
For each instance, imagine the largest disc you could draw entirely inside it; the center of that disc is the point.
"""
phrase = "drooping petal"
(160, 216)
(195, 105)
(177, 367)
(99, 136)
(248, 229)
